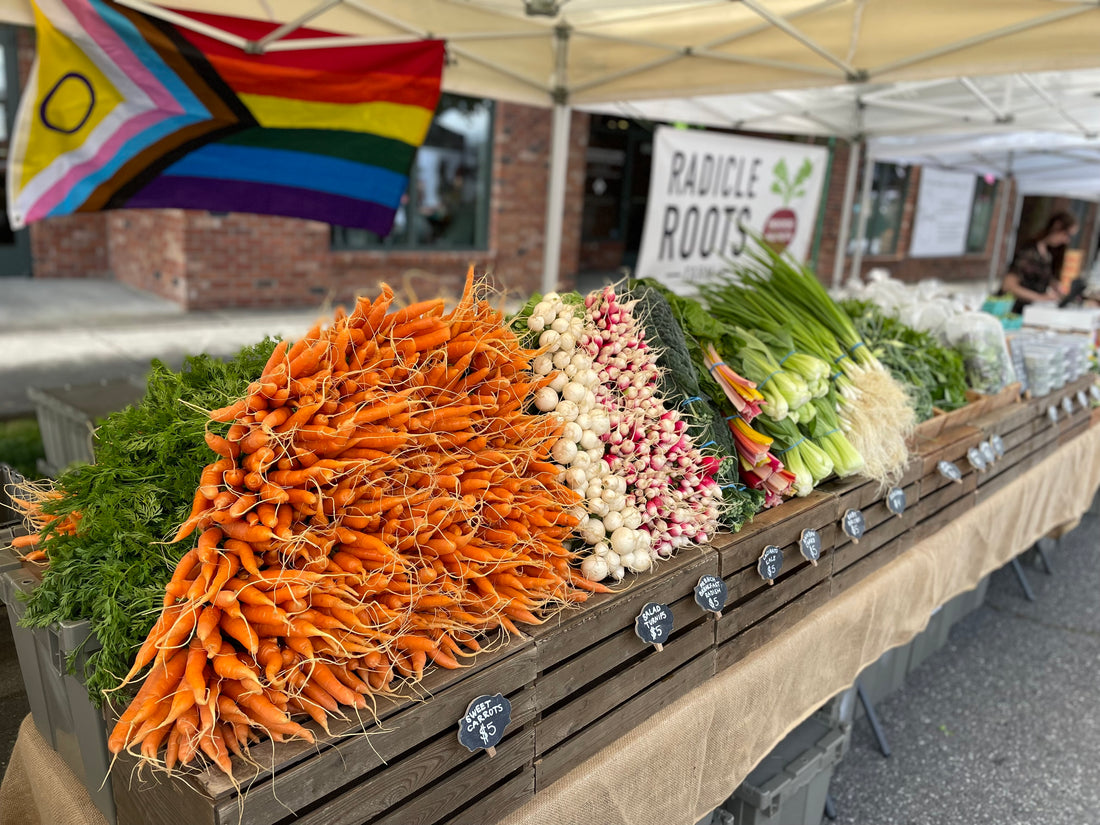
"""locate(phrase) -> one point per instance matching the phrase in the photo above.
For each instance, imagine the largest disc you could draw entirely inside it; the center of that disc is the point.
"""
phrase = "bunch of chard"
(669, 481)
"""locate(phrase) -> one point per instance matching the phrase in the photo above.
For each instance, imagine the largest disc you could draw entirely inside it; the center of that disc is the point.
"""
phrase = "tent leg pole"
(999, 235)
(864, 208)
(555, 199)
(855, 150)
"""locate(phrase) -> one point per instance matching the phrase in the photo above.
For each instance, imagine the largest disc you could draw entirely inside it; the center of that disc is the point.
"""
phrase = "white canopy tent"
(620, 53)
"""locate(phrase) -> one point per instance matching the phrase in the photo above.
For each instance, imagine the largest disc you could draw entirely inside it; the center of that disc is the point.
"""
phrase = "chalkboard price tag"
(810, 545)
(998, 444)
(1082, 400)
(976, 459)
(987, 451)
(1094, 391)
(482, 726)
(770, 563)
(654, 624)
(950, 471)
(710, 594)
(854, 526)
(895, 501)
(1067, 405)
(1052, 413)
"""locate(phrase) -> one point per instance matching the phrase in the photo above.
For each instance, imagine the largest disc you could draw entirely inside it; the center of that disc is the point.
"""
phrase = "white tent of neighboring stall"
(565, 53)
(1043, 129)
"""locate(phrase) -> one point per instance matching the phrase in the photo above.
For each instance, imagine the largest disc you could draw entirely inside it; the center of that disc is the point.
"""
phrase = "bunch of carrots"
(31, 507)
(381, 499)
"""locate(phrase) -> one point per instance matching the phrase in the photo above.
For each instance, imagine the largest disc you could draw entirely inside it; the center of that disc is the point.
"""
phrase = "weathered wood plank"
(885, 533)
(604, 615)
(571, 675)
(780, 526)
(759, 634)
(499, 802)
(766, 599)
(937, 521)
(553, 765)
(843, 579)
(602, 698)
(467, 783)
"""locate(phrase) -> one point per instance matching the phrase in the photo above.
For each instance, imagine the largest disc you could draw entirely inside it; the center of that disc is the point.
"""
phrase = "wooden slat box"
(1028, 436)
(941, 499)
(756, 611)
(408, 767)
(882, 528)
(597, 679)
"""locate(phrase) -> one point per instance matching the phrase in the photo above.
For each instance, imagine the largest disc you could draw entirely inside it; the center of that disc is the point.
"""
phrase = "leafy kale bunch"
(936, 374)
(672, 324)
(148, 459)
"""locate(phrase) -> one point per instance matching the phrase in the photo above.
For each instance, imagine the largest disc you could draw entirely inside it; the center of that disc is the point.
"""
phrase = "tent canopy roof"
(598, 51)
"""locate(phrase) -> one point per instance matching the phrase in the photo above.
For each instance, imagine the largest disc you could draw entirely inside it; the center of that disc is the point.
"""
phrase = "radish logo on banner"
(709, 192)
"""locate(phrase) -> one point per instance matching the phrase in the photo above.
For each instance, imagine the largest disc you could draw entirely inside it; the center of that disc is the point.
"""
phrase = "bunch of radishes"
(669, 481)
(608, 523)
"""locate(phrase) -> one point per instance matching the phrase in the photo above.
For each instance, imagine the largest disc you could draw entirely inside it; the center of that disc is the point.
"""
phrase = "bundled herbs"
(109, 521)
(934, 373)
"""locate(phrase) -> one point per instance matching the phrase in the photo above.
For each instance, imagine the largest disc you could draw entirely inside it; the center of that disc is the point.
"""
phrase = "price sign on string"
(1067, 405)
(998, 446)
(988, 453)
(1052, 414)
(1082, 400)
(895, 501)
(711, 594)
(770, 563)
(950, 471)
(854, 525)
(482, 726)
(654, 624)
(1094, 391)
(976, 459)
(809, 545)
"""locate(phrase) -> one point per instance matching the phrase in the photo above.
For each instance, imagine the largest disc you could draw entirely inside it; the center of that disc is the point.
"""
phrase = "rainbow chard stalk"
(760, 469)
(741, 392)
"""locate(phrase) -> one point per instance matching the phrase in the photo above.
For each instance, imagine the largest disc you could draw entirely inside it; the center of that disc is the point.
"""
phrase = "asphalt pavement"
(1002, 725)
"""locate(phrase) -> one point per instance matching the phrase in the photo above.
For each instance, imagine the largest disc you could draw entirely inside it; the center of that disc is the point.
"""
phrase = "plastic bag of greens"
(980, 338)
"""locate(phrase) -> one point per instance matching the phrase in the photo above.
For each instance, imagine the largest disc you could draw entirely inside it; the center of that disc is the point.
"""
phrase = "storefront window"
(447, 203)
(981, 215)
(888, 189)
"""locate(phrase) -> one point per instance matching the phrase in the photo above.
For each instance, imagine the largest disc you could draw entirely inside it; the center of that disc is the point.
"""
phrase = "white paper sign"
(708, 192)
(944, 201)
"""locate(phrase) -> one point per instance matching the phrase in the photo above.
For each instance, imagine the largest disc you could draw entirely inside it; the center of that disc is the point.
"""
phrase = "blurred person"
(1032, 276)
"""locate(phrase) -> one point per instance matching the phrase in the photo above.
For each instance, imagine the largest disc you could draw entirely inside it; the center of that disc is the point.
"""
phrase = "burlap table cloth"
(684, 761)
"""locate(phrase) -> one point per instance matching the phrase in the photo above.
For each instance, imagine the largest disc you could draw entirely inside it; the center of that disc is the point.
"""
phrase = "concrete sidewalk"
(55, 333)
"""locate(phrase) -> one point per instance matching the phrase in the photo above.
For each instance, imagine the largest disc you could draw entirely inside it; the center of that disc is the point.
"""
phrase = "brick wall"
(834, 209)
(74, 246)
(146, 250)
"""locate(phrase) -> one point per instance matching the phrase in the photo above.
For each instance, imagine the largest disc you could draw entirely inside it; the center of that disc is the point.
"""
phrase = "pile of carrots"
(382, 498)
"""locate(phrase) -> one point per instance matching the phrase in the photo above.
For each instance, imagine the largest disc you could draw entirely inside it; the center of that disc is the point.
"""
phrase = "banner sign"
(944, 201)
(710, 192)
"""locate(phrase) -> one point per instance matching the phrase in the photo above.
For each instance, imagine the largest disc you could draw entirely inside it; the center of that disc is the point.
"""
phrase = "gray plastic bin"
(790, 785)
(67, 417)
(932, 638)
(59, 701)
(884, 676)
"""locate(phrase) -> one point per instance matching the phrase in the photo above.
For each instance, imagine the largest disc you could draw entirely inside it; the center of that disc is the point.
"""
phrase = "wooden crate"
(844, 578)
(977, 406)
(1028, 436)
(941, 499)
(753, 606)
(407, 767)
(883, 528)
(597, 679)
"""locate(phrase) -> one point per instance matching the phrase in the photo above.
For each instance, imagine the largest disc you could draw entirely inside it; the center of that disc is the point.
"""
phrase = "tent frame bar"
(1056, 106)
(984, 99)
(168, 16)
(850, 72)
(282, 31)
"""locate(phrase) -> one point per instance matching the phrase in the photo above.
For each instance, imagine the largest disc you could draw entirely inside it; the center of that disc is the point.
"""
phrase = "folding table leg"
(872, 717)
(1046, 561)
(1019, 570)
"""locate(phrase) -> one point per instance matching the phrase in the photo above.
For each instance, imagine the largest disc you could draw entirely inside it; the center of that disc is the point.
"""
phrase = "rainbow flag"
(123, 110)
